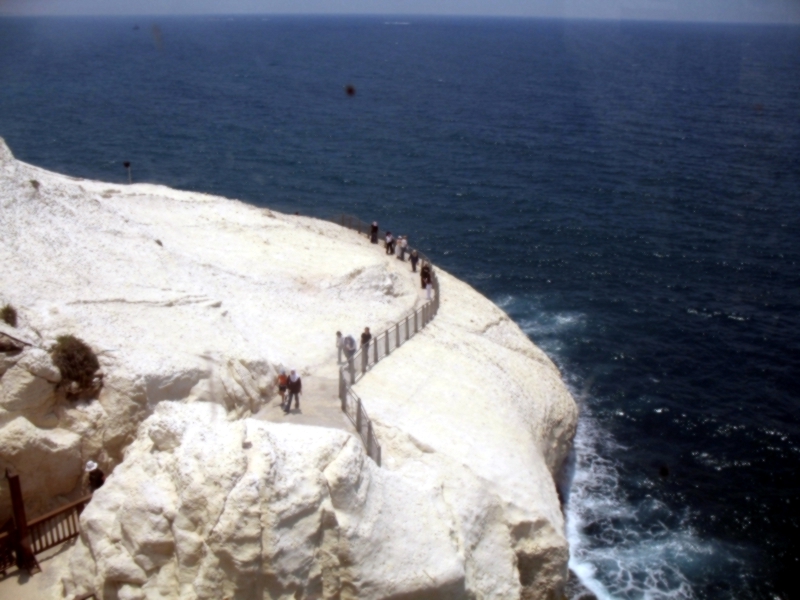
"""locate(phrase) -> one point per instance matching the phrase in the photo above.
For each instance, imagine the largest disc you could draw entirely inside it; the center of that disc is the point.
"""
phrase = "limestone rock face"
(192, 303)
(48, 462)
(204, 507)
(183, 296)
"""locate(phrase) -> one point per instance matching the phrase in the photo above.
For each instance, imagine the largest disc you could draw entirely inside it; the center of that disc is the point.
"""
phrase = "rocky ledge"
(191, 303)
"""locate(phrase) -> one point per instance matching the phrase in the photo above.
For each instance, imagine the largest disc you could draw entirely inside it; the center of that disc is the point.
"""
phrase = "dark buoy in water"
(663, 471)
(350, 90)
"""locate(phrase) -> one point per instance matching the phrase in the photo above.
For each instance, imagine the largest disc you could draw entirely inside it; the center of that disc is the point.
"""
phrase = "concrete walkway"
(319, 406)
(19, 585)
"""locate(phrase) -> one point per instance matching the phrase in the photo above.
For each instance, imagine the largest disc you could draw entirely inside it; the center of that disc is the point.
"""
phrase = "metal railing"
(58, 526)
(381, 346)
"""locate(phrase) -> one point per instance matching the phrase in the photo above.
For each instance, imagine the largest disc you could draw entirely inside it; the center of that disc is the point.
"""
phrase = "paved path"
(41, 586)
(319, 406)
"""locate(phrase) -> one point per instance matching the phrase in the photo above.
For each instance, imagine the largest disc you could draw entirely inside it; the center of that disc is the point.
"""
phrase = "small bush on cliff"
(9, 314)
(76, 360)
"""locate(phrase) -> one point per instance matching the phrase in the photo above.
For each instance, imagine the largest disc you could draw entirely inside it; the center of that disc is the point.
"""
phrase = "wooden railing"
(8, 545)
(57, 527)
(381, 346)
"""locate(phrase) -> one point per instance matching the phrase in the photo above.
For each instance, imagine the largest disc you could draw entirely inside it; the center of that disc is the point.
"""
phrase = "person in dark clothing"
(373, 233)
(295, 386)
(424, 274)
(389, 243)
(96, 477)
(366, 337)
(414, 258)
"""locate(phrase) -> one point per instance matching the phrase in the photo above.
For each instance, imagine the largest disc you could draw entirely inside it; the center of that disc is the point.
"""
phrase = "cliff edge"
(192, 303)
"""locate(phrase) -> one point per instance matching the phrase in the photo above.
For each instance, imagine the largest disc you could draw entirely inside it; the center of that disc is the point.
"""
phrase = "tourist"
(339, 347)
(373, 233)
(424, 274)
(283, 380)
(350, 350)
(414, 258)
(295, 386)
(389, 243)
(96, 477)
(402, 246)
(365, 339)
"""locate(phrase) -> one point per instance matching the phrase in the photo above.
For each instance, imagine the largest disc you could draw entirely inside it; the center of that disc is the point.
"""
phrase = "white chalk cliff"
(192, 302)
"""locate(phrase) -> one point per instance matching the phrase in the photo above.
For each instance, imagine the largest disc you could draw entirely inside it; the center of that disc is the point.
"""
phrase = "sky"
(752, 11)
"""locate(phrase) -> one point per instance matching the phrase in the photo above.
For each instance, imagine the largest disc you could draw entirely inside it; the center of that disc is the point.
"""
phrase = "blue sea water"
(628, 192)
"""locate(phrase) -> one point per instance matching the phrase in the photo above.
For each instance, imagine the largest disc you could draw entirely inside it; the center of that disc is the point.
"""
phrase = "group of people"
(346, 345)
(290, 387)
(397, 246)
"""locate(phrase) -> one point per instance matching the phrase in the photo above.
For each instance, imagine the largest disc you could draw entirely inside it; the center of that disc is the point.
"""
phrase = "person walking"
(414, 258)
(403, 246)
(366, 337)
(295, 386)
(373, 232)
(389, 243)
(349, 350)
(283, 380)
(424, 274)
(339, 347)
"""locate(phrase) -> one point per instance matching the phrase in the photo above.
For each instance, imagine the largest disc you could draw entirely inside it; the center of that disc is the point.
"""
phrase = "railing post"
(375, 351)
(25, 558)
(378, 456)
(407, 332)
(369, 439)
(387, 342)
(364, 359)
(342, 390)
(416, 321)
(352, 368)
(358, 416)
(397, 334)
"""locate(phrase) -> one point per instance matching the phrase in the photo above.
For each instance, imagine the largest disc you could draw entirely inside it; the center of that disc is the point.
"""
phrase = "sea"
(628, 192)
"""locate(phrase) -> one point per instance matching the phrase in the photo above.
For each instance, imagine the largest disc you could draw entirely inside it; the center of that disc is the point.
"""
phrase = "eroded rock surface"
(191, 303)
(212, 508)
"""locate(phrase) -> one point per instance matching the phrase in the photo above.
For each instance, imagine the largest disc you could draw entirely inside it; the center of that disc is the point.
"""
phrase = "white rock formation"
(192, 302)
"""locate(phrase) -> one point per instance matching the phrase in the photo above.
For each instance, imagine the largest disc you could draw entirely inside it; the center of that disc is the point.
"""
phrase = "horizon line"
(406, 16)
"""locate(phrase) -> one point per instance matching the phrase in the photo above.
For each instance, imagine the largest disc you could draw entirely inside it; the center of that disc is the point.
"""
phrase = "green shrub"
(75, 359)
(35, 184)
(9, 314)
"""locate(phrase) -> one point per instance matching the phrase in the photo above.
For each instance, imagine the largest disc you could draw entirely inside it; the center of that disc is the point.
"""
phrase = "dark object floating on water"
(663, 471)
(350, 90)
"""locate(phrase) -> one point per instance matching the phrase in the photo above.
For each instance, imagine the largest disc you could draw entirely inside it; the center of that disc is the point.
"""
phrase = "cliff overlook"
(192, 303)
